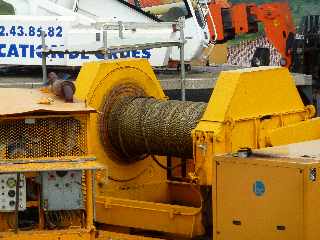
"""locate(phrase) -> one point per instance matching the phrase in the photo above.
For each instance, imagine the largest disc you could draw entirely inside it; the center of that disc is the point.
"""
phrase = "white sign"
(21, 43)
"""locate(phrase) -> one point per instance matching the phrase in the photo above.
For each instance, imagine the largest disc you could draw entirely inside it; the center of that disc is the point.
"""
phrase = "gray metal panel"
(8, 192)
(62, 190)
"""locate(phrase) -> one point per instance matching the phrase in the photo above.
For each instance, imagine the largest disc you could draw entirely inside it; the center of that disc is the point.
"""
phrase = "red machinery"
(146, 3)
(225, 21)
(243, 18)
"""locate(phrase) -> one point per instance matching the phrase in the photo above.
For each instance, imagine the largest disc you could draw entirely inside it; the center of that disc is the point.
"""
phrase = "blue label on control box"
(259, 188)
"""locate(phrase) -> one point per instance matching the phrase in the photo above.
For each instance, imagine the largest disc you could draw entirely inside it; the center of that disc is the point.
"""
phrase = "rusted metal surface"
(61, 88)
(65, 89)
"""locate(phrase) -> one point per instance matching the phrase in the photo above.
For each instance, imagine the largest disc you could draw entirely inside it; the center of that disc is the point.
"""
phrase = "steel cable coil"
(138, 126)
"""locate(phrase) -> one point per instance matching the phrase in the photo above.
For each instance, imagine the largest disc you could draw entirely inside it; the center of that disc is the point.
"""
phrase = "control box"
(268, 196)
(62, 190)
(8, 192)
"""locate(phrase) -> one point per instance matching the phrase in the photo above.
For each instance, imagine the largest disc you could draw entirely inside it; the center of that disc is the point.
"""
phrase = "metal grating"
(43, 138)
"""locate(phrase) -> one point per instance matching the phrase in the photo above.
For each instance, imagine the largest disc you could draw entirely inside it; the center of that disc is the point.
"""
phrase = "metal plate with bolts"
(62, 190)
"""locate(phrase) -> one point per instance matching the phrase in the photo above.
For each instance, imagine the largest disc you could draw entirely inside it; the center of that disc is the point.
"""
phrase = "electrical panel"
(62, 190)
(8, 192)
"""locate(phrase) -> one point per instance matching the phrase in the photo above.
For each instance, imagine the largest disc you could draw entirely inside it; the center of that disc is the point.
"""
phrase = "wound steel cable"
(137, 126)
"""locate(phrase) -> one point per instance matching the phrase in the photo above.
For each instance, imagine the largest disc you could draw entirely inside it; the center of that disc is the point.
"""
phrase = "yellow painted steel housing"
(278, 197)
(251, 108)
(131, 195)
(96, 84)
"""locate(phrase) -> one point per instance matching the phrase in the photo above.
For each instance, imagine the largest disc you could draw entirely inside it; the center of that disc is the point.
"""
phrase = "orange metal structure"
(148, 3)
(276, 18)
(217, 16)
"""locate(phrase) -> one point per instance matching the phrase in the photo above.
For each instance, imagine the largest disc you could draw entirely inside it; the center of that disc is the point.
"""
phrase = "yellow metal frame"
(147, 193)
(95, 82)
(86, 163)
(251, 108)
(86, 233)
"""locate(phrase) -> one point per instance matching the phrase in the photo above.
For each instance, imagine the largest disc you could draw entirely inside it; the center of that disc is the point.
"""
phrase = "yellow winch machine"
(162, 179)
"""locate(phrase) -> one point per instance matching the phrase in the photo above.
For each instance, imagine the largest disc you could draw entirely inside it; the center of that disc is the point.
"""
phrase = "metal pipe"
(65, 89)
(68, 90)
(44, 59)
(105, 43)
(94, 193)
(17, 203)
(89, 200)
(62, 88)
(164, 8)
(121, 29)
(182, 64)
